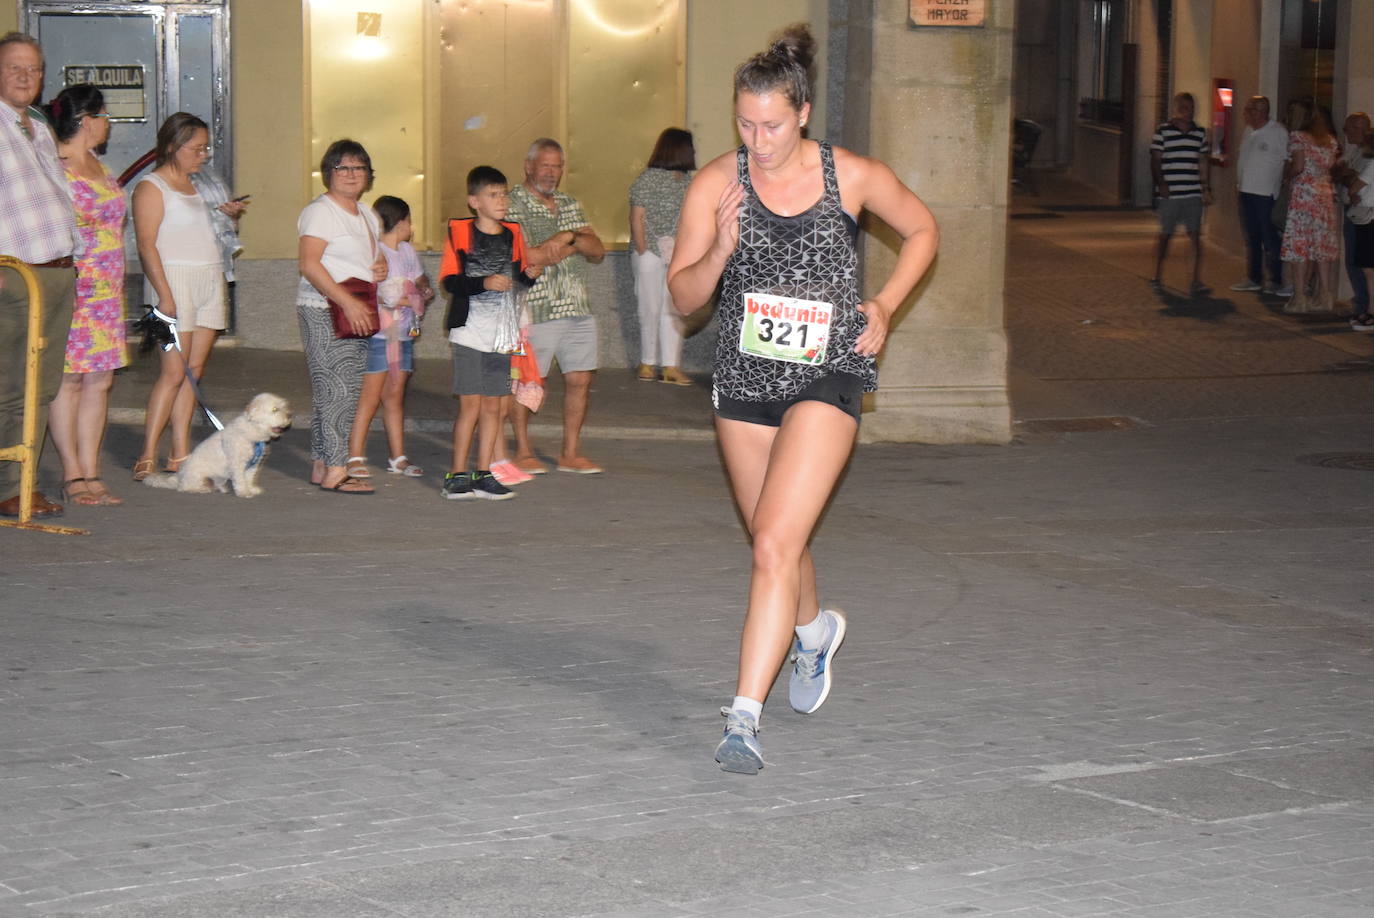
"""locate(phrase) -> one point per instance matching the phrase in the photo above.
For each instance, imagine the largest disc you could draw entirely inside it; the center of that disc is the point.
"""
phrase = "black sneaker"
(457, 486)
(485, 486)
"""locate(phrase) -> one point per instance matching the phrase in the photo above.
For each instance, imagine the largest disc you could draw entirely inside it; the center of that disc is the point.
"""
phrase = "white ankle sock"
(749, 706)
(812, 634)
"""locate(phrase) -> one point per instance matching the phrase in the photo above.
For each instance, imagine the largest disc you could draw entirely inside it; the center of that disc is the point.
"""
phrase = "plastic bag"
(508, 323)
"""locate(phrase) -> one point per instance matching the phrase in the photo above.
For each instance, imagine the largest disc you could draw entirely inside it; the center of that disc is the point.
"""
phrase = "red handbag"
(367, 292)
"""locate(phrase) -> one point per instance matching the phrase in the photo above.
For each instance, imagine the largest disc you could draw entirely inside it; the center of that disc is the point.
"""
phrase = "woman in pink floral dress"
(95, 344)
(1311, 235)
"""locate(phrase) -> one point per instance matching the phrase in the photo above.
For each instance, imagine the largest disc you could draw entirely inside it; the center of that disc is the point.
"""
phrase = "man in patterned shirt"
(37, 226)
(559, 239)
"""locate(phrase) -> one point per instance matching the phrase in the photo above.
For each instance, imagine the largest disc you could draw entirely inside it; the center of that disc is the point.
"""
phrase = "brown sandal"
(143, 468)
(102, 494)
(77, 491)
(174, 465)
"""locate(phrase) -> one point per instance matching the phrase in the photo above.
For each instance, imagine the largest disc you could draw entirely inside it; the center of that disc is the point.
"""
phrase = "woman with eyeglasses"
(338, 240)
(95, 343)
(183, 280)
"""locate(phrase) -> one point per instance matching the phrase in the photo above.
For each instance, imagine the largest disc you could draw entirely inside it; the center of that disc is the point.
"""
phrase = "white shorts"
(201, 295)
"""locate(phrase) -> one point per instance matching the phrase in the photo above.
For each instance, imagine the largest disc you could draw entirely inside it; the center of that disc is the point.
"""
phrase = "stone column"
(937, 109)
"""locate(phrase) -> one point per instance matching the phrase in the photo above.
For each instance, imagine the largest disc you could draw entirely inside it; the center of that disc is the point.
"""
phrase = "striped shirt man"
(1180, 152)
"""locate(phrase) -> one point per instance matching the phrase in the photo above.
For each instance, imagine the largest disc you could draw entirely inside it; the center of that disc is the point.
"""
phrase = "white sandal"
(356, 467)
(395, 467)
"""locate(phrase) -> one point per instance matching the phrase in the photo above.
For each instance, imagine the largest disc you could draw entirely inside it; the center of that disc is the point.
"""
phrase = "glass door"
(150, 59)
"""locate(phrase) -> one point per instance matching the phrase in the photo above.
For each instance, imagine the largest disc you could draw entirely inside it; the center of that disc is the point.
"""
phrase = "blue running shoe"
(810, 683)
(739, 751)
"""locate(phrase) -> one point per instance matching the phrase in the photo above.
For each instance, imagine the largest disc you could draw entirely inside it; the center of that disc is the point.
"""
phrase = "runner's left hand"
(874, 335)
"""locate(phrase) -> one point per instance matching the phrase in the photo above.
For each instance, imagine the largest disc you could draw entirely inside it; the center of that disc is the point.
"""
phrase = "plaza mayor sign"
(966, 13)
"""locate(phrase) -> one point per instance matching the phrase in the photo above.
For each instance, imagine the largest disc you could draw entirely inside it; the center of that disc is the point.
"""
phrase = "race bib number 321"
(785, 328)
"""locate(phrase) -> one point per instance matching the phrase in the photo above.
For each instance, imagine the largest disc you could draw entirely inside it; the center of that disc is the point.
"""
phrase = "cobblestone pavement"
(1116, 673)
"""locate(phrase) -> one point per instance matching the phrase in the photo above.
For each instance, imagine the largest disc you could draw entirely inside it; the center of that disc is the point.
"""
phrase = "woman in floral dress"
(95, 345)
(1311, 235)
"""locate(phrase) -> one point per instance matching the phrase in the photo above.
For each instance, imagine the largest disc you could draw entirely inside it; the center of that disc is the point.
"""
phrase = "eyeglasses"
(199, 151)
(97, 114)
(18, 69)
(352, 170)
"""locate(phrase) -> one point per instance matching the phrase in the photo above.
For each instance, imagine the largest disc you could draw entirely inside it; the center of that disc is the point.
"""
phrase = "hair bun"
(796, 45)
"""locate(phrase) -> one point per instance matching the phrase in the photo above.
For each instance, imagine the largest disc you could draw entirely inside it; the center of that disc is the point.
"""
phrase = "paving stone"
(1197, 792)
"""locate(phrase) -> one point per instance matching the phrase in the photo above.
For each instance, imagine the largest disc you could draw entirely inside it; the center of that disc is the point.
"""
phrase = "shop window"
(435, 87)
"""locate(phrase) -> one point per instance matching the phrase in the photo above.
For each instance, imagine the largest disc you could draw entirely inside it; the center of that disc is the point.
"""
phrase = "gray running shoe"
(739, 751)
(457, 486)
(485, 486)
(810, 683)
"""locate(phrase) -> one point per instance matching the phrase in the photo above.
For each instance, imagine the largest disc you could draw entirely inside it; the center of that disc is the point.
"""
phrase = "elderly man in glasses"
(37, 226)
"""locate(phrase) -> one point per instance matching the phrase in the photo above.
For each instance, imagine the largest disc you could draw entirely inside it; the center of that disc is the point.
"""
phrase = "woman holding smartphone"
(184, 280)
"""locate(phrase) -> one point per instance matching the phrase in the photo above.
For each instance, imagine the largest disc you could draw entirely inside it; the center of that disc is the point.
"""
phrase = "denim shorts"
(376, 355)
(843, 390)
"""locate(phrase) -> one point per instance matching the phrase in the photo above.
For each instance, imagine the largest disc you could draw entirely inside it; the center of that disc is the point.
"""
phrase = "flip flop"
(349, 480)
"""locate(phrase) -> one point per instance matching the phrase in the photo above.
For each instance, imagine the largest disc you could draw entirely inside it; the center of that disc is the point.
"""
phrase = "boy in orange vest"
(483, 258)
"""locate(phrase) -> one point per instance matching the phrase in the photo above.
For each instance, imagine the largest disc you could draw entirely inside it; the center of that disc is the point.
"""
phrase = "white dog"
(234, 454)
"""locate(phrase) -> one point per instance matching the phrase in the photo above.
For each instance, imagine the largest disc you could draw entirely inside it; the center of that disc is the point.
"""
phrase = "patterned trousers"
(336, 379)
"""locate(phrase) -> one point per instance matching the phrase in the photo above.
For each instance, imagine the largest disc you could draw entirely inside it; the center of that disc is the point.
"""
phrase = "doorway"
(150, 59)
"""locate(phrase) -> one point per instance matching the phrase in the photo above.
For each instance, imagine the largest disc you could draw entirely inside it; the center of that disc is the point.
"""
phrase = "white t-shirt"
(1363, 212)
(1259, 166)
(1353, 158)
(350, 244)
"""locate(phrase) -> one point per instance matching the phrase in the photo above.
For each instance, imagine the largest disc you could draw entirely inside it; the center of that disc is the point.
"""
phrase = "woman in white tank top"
(184, 279)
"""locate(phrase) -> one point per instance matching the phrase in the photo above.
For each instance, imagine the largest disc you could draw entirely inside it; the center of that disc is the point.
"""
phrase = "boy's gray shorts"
(480, 373)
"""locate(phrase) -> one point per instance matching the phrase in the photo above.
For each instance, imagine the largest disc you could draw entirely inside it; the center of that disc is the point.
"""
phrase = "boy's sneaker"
(1247, 286)
(457, 486)
(1283, 290)
(508, 473)
(486, 487)
(810, 682)
(739, 751)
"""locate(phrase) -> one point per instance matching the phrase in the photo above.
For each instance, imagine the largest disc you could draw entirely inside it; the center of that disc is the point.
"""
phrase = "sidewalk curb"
(134, 417)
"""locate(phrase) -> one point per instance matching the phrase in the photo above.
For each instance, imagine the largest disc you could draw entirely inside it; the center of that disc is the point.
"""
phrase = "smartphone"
(242, 197)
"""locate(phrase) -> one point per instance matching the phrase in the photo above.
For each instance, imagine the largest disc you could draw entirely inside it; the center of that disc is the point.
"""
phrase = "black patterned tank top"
(812, 257)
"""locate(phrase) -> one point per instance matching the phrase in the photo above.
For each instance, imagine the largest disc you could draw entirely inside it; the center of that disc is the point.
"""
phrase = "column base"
(938, 414)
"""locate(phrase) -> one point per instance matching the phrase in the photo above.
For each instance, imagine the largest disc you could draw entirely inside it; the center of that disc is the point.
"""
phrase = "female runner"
(776, 221)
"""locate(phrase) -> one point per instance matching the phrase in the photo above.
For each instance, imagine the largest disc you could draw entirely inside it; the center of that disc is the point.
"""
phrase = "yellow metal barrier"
(26, 451)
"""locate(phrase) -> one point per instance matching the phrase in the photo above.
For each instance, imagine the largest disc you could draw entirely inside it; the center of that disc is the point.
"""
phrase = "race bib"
(785, 328)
